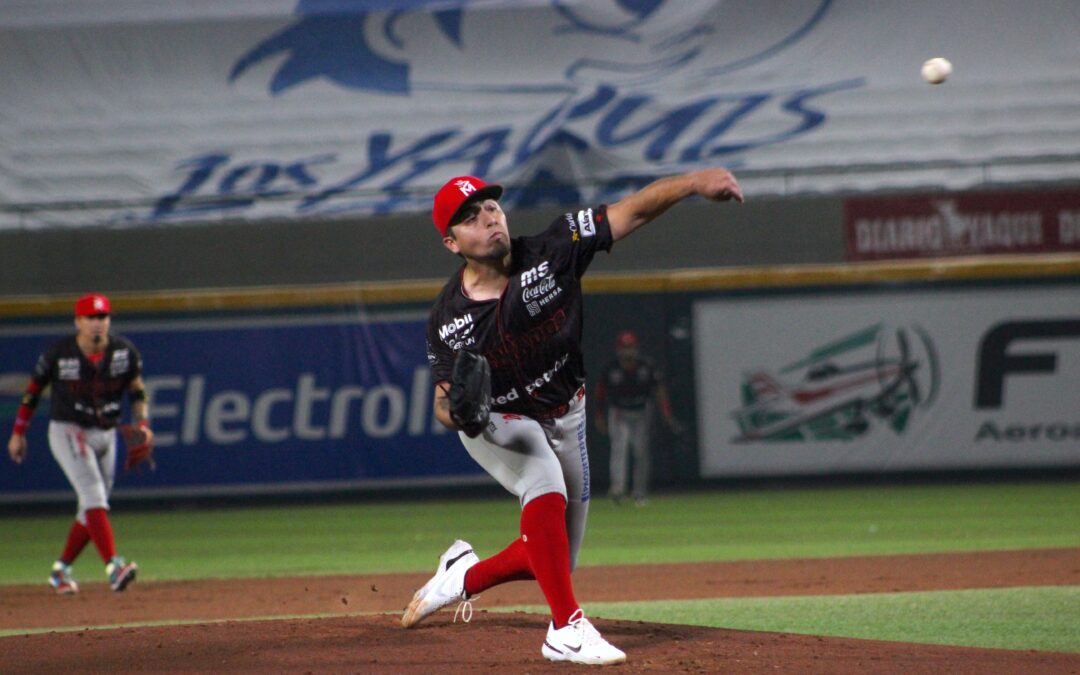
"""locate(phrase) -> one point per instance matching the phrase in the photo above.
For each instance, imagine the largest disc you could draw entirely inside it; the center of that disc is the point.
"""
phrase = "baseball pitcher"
(518, 398)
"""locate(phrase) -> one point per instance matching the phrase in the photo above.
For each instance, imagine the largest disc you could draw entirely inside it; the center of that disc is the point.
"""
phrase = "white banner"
(152, 111)
(869, 381)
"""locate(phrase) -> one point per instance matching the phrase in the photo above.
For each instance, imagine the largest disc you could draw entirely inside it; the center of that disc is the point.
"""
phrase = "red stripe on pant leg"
(97, 522)
(78, 537)
(543, 530)
(510, 564)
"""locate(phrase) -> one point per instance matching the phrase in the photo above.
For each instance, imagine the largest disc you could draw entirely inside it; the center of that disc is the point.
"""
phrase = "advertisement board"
(970, 223)
(267, 403)
(310, 109)
(918, 379)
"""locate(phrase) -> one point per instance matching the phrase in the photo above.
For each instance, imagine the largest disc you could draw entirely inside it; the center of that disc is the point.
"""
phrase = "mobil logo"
(458, 323)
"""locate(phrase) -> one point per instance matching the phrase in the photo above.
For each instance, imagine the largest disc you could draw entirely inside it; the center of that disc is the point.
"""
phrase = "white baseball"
(935, 70)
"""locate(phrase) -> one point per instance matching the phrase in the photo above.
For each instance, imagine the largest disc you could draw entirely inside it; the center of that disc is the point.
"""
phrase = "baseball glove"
(470, 392)
(139, 446)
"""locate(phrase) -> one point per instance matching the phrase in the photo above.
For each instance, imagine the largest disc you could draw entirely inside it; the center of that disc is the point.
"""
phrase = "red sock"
(77, 538)
(543, 531)
(510, 564)
(97, 522)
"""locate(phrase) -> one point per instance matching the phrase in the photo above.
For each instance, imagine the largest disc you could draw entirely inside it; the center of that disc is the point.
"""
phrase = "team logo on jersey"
(547, 375)
(503, 399)
(585, 223)
(68, 369)
(537, 273)
(121, 361)
(464, 324)
(571, 223)
(538, 288)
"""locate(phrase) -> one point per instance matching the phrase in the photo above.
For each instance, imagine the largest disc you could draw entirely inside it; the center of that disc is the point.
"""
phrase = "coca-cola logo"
(539, 290)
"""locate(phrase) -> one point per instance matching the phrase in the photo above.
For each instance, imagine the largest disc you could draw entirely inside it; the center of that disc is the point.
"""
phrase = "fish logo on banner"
(358, 47)
(640, 81)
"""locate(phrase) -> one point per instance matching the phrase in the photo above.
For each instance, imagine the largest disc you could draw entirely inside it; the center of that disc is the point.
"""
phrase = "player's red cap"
(452, 197)
(92, 304)
(627, 338)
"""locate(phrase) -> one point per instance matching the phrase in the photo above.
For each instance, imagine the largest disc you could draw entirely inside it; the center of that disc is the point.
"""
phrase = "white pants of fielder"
(531, 458)
(629, 431)
(88, 459)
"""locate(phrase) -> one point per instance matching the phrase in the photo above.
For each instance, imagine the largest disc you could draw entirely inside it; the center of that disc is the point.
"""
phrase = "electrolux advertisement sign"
(923, 380)
(275, 403)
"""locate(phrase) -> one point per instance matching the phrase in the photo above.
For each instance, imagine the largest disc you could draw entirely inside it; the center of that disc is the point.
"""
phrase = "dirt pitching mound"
(352, 635)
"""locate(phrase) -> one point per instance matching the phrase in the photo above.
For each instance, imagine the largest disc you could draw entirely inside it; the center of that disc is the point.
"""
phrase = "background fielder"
(518, 303)
(89, 373)
(625, 393)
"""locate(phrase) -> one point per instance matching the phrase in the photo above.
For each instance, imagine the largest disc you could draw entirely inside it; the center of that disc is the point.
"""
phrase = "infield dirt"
(358, 630)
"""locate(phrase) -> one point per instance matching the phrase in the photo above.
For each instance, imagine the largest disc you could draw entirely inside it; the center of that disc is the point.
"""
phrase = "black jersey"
(630, 389)
(82, 392)
(531, 335)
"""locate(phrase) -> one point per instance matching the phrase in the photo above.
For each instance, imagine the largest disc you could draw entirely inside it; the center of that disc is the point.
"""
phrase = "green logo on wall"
(842, 390)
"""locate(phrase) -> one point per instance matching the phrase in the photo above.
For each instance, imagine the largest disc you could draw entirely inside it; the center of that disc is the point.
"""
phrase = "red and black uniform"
(86, 403)
(534, 444)
(84, 392)
(628, 389)
(625, 394)
(531, 335)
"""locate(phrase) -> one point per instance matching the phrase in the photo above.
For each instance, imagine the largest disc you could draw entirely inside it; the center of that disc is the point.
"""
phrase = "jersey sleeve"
(134, 359)
(45, 368)
(440, 357)
(136, 362)
(578, 235)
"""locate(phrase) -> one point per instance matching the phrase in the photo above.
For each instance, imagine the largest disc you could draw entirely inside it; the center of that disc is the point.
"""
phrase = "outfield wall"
(966, 363)
(875, 379)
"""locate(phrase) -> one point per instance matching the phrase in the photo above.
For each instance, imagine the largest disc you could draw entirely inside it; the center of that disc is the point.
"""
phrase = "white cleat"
(446, 587)
(579, 642)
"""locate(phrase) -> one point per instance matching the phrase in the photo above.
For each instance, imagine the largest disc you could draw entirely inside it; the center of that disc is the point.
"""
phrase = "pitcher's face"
(482, 233)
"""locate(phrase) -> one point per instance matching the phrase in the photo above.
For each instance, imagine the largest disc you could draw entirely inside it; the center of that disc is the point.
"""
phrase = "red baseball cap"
(92, 304)
(455, 195)
(627, 338)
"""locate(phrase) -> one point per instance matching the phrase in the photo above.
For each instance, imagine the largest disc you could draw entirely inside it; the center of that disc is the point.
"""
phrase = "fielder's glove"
(139, 444)
(470, 392)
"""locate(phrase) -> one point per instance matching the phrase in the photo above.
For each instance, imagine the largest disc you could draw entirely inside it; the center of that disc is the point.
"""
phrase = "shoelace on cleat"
(586, 630)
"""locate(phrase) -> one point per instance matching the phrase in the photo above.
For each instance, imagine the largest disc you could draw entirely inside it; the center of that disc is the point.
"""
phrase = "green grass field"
(402, 536)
